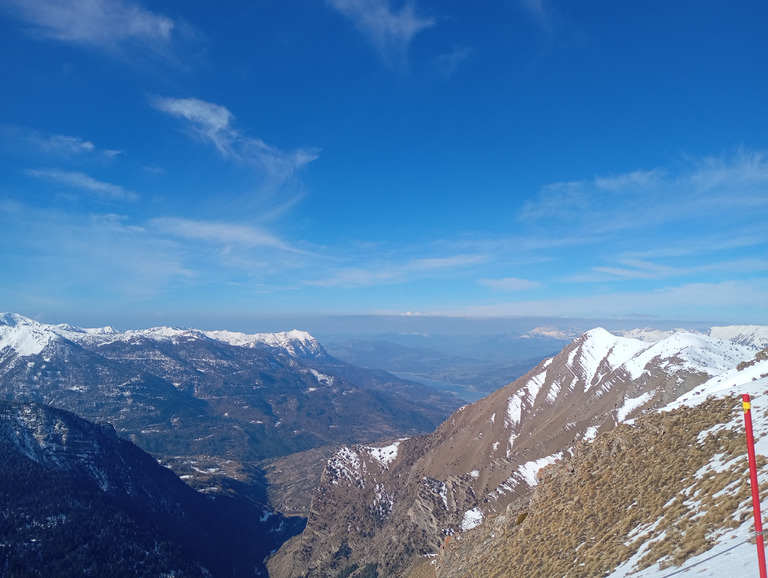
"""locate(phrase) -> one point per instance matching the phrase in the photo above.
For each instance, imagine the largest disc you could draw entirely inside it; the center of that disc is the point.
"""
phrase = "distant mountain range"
(189, 392)
(389, 508)
(213, 405)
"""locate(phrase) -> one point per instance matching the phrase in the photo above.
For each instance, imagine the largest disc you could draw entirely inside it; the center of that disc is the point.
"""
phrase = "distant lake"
(463, 392)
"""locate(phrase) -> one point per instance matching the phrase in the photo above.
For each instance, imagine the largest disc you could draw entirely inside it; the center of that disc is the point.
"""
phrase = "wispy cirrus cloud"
(451, 61)
(541, 11)
(60, 145)
(81, 181)
(122, 29)
(213, 123)
(510, 284)
(712, 191)
(97, 256)
(112, 26)
(219, 233)
(389, 272)
(634, 270)
(389, 31)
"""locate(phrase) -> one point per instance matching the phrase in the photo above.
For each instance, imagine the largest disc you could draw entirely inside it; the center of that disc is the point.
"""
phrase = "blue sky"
(277, 157)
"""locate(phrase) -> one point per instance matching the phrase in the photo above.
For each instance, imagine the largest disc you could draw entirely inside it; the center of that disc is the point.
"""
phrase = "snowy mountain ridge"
(755, 336)
(29, 337)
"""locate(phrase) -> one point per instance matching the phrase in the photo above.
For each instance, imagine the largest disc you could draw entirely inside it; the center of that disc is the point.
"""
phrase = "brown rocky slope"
(587, 514)
(383, 511)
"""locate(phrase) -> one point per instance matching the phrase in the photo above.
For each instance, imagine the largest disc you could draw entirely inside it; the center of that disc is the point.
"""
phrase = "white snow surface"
(753, 335)
(384, 455)
(649, 334)
(529, 470)
(514, 409)
(472, 519)
(632, 403)
(598, 345)
(295, 342)
(25, 336)
(693, 352)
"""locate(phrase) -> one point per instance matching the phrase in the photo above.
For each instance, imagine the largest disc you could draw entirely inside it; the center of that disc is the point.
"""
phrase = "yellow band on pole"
(746, 405)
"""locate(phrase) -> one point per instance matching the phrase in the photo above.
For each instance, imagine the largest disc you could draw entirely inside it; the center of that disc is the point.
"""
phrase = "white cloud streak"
(103, 24)
(711, 191)
(62, 144)
(213, 123)
(219, 233)
(392, 273)
(389, 31)
(81, 181)
(510, 284)
(59, 145)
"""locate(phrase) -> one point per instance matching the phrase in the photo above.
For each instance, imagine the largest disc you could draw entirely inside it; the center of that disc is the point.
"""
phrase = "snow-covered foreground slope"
(734, 553)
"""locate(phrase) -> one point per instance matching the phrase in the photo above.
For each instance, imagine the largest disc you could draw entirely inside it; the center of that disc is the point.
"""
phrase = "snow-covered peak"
(29, 337)
(649, 335)
(24, 335)
(296, 343)
(598, 348)
(14, 319)
(67, 328)
(752, 335)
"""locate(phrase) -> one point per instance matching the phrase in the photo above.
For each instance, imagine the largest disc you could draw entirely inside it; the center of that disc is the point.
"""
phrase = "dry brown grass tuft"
(647, 485)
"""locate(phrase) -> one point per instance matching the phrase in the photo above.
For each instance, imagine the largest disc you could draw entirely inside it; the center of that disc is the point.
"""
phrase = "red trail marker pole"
(753, 482)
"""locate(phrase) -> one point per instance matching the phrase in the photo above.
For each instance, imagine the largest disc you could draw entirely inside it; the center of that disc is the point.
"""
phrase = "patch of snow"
(533, 385)
(528, 470)
(590, 433)
(631, 404)
(472, 519)
(321, 377)
(384, 455)
(514, 410)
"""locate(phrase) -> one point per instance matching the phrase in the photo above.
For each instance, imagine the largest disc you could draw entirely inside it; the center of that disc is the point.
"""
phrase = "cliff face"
(390, 514)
